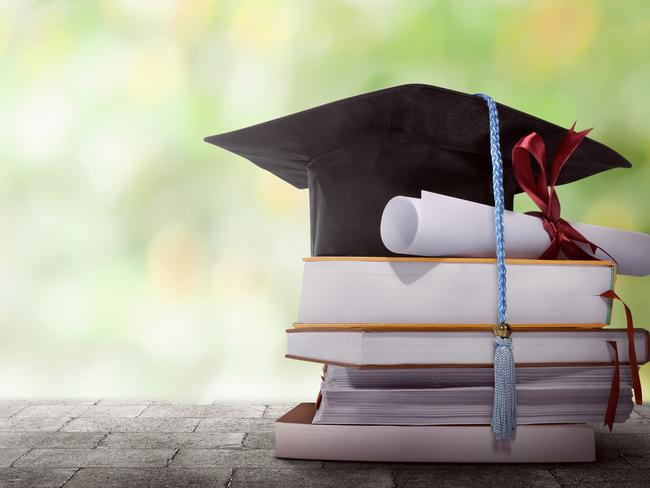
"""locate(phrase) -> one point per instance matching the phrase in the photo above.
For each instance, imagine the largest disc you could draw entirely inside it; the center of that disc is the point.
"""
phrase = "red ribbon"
(631, 350)
(612, 403)
(563, 236)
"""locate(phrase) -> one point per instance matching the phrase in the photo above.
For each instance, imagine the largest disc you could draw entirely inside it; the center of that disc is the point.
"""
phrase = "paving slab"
(138, 424)
(643, 410)
(128, 401)
(68, 440)
(174, 440)
(112, 411)
(34, 478)
(298, 478)
(485, 476)
(632, 426)
(9, 408)
(99, 457)
(235, 425)
(247, 458)
(30, 424)
(259, 440)
(150, 443)
(590, 477)
(61, 401)
(8, 456)
(620, 442)
(277, 411)
(215, 411)
(52, 411)
(149, 478)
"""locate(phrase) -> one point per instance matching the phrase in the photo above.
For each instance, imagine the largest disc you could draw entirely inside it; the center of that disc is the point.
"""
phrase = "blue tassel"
(504, 412)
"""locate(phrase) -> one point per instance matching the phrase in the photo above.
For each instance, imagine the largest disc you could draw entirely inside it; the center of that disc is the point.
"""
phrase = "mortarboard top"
(355, 154)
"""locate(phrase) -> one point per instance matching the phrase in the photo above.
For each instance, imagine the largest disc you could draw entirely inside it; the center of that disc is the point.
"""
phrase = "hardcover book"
(438, 291)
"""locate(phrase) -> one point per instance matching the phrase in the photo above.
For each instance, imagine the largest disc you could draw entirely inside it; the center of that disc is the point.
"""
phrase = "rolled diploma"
(438, 225)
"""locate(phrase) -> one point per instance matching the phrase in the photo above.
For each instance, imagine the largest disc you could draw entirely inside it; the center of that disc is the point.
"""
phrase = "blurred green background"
(137, 261)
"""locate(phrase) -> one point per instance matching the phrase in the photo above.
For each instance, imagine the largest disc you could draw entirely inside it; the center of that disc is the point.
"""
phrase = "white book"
(296, 437)
(453, 291)
(355, 347)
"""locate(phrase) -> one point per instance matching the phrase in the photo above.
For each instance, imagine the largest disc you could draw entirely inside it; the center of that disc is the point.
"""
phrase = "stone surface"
(149, 478)
(249, 458)
(148, 443)
(113, 411)
(485, 476)
(632, 426)
(9, 455)
(213, 411)
(131, 425)
(259, 440)
(235, 425)
(52, 411)
(643, 410)
(298, 478)
(54, 440)
(174, 440)
(70, 458)
(277, 411)
(29, 424)
(589, 477)
(35, 478)
(9, 408)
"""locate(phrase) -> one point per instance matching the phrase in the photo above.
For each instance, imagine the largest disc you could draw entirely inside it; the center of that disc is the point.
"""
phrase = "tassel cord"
(504, 412)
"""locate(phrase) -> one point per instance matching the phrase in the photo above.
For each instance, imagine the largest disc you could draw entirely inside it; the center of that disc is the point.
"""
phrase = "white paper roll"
(438, 225)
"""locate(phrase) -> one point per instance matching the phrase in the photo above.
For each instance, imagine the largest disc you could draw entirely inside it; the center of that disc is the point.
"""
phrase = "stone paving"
(109, 443)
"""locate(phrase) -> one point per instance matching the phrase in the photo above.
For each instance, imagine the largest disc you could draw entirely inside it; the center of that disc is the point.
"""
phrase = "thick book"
(296, 437)
(347, 290)
(402, 347)
(453, 396)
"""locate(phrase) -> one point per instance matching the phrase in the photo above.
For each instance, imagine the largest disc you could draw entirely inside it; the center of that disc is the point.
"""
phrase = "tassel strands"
(504, 411)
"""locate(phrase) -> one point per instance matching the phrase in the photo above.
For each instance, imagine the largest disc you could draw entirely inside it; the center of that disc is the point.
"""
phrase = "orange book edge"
(549, 262)
(388, 326)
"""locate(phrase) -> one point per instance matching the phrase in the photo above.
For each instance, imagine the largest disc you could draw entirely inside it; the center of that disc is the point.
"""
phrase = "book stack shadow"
(406, 348)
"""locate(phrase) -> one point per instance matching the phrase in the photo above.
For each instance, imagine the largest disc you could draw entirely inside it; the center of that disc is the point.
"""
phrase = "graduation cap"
(355, 154)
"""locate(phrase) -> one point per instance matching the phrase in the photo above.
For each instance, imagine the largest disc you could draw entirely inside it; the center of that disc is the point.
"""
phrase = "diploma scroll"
(438, 225)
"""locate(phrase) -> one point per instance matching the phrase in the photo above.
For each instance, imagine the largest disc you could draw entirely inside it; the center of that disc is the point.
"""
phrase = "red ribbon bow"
(564, 237)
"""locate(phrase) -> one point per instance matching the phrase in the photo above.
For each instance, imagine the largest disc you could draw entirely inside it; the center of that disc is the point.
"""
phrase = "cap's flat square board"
(297, 438)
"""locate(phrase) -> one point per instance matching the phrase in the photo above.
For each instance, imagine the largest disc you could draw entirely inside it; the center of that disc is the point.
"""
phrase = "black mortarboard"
(355, 154)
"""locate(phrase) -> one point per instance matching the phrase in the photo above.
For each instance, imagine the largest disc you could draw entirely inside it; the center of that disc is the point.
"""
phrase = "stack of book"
(419, 170)
(407, 349)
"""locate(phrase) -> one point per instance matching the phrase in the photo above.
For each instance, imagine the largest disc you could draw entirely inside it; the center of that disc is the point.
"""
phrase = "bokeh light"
(137, 261)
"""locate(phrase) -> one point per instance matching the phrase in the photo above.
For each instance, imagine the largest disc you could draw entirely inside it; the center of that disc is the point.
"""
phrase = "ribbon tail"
(575, 236)
(612, 403)
(504, 412)
(631, 350)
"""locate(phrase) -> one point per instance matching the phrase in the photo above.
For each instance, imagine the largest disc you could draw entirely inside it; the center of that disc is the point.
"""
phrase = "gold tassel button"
(502, 330)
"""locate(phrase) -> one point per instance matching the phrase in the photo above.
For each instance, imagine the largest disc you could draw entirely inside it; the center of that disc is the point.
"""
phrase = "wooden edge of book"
(416, 259)
(453, 365)
(415, 327)
(303, 413)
